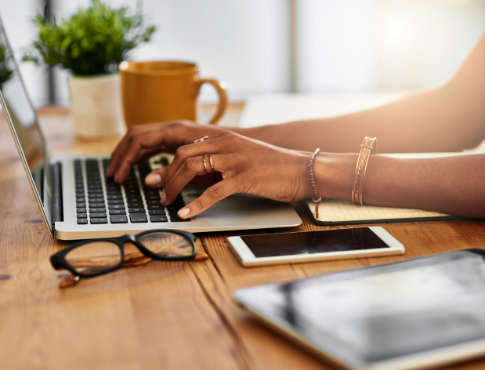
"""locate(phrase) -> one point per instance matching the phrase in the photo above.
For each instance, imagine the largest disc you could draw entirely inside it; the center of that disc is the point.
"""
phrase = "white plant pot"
(96, 106)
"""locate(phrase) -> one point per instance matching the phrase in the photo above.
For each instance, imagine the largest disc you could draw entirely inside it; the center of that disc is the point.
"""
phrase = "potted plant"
(91, 44)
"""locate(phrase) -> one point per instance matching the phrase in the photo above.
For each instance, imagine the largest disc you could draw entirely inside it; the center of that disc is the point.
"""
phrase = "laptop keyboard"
(100, 200)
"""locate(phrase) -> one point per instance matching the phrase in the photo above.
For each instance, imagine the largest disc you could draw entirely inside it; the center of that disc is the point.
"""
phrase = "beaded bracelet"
(316, 198)
(365, 150)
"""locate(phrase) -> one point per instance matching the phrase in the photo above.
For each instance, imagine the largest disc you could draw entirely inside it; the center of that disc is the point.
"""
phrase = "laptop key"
(134, 193)
(80, 205)
(136, 210)
(135, 205)
(117, 212)
(148, 189)
(116, 206)
(96, 205)
(97, 210)
(119, 219)
(153, 201)
(154, 206)
(97, 215)
(156, 212)
(81, 210)
(176, 219)
(94, 193)
(95, 189)
(115, 201)
(99, 220)
(158, 218)
(134, 200)
(82, 221)
(82, 215)
(138, 217)
(114, 194)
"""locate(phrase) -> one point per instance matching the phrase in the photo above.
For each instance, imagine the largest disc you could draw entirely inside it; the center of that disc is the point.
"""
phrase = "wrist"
(334, 174)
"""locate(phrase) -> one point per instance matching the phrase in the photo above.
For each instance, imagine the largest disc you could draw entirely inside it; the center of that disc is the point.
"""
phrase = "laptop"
(77, 201)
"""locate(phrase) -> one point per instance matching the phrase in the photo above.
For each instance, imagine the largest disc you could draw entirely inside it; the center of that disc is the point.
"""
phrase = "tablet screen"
(382, 312)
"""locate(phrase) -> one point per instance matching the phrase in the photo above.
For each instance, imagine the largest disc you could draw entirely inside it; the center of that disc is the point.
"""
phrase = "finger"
(206, 180)
(209, 197)
(192, 167)
(223, 143)
(113, 162)
(134, 145)
(155, 178)
(120, 148)
(147, 153)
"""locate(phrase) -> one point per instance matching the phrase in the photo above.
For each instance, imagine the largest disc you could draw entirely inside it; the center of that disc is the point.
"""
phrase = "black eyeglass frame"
(58, 260)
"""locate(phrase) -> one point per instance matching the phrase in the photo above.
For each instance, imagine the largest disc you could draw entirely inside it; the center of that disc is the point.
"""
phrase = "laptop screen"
(23, 122)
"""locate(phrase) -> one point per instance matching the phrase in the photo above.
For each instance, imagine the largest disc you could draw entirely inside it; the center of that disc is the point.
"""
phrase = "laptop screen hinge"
(57, 214)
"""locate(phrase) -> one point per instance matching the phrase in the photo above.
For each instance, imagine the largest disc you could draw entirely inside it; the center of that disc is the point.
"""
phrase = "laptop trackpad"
(240, 205)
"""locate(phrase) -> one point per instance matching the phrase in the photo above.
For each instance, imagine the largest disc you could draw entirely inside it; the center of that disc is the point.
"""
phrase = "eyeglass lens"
(91, 258)
(167, 244)
(95, 257)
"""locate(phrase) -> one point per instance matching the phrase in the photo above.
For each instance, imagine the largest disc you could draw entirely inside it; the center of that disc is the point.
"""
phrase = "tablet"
(312, 246)
(423, 312)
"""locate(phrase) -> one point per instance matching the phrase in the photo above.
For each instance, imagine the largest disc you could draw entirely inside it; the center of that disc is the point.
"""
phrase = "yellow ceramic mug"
(162, 91)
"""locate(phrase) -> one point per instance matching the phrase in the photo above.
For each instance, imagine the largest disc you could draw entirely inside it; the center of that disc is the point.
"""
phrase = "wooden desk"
(176, 315)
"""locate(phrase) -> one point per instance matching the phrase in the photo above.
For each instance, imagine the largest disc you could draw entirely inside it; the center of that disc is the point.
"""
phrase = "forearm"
(451, 185)
(436, 120)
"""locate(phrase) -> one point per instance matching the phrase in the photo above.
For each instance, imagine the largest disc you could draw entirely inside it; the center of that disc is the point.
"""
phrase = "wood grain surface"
(161, 315)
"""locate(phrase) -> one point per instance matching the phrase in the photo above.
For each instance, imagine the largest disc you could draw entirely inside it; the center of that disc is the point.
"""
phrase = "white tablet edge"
(248, 259)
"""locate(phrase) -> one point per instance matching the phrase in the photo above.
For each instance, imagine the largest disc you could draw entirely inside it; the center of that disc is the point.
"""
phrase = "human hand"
(143, 141)
(247, 166)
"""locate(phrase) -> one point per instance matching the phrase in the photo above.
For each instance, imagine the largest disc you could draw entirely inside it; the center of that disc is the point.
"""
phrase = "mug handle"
(220, 86)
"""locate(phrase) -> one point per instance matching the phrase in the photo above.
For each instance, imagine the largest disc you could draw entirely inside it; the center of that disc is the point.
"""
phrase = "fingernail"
(153, 179)
(184, 212)
(164, 197)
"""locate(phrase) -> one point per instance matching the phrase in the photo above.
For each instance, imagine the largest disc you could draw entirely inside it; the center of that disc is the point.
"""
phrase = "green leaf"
(91, 41)
(28, 58)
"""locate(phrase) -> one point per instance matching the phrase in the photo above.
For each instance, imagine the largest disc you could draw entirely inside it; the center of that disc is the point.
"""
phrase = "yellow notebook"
(342, 212)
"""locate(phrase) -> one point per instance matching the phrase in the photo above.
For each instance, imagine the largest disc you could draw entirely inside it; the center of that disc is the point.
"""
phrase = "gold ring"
(212, 163)
(205, 164)
(201, 139)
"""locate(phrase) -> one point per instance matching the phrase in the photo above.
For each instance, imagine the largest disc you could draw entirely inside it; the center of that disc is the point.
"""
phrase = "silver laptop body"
(57, 186)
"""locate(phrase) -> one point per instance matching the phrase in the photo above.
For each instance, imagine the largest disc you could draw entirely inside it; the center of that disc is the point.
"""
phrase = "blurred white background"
(282, 46)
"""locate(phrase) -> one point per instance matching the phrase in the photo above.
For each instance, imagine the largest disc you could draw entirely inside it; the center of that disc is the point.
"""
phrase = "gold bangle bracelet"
(316, 198)
(366, 148)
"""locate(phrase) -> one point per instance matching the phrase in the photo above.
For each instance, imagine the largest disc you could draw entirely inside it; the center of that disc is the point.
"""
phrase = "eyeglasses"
(90, 258)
